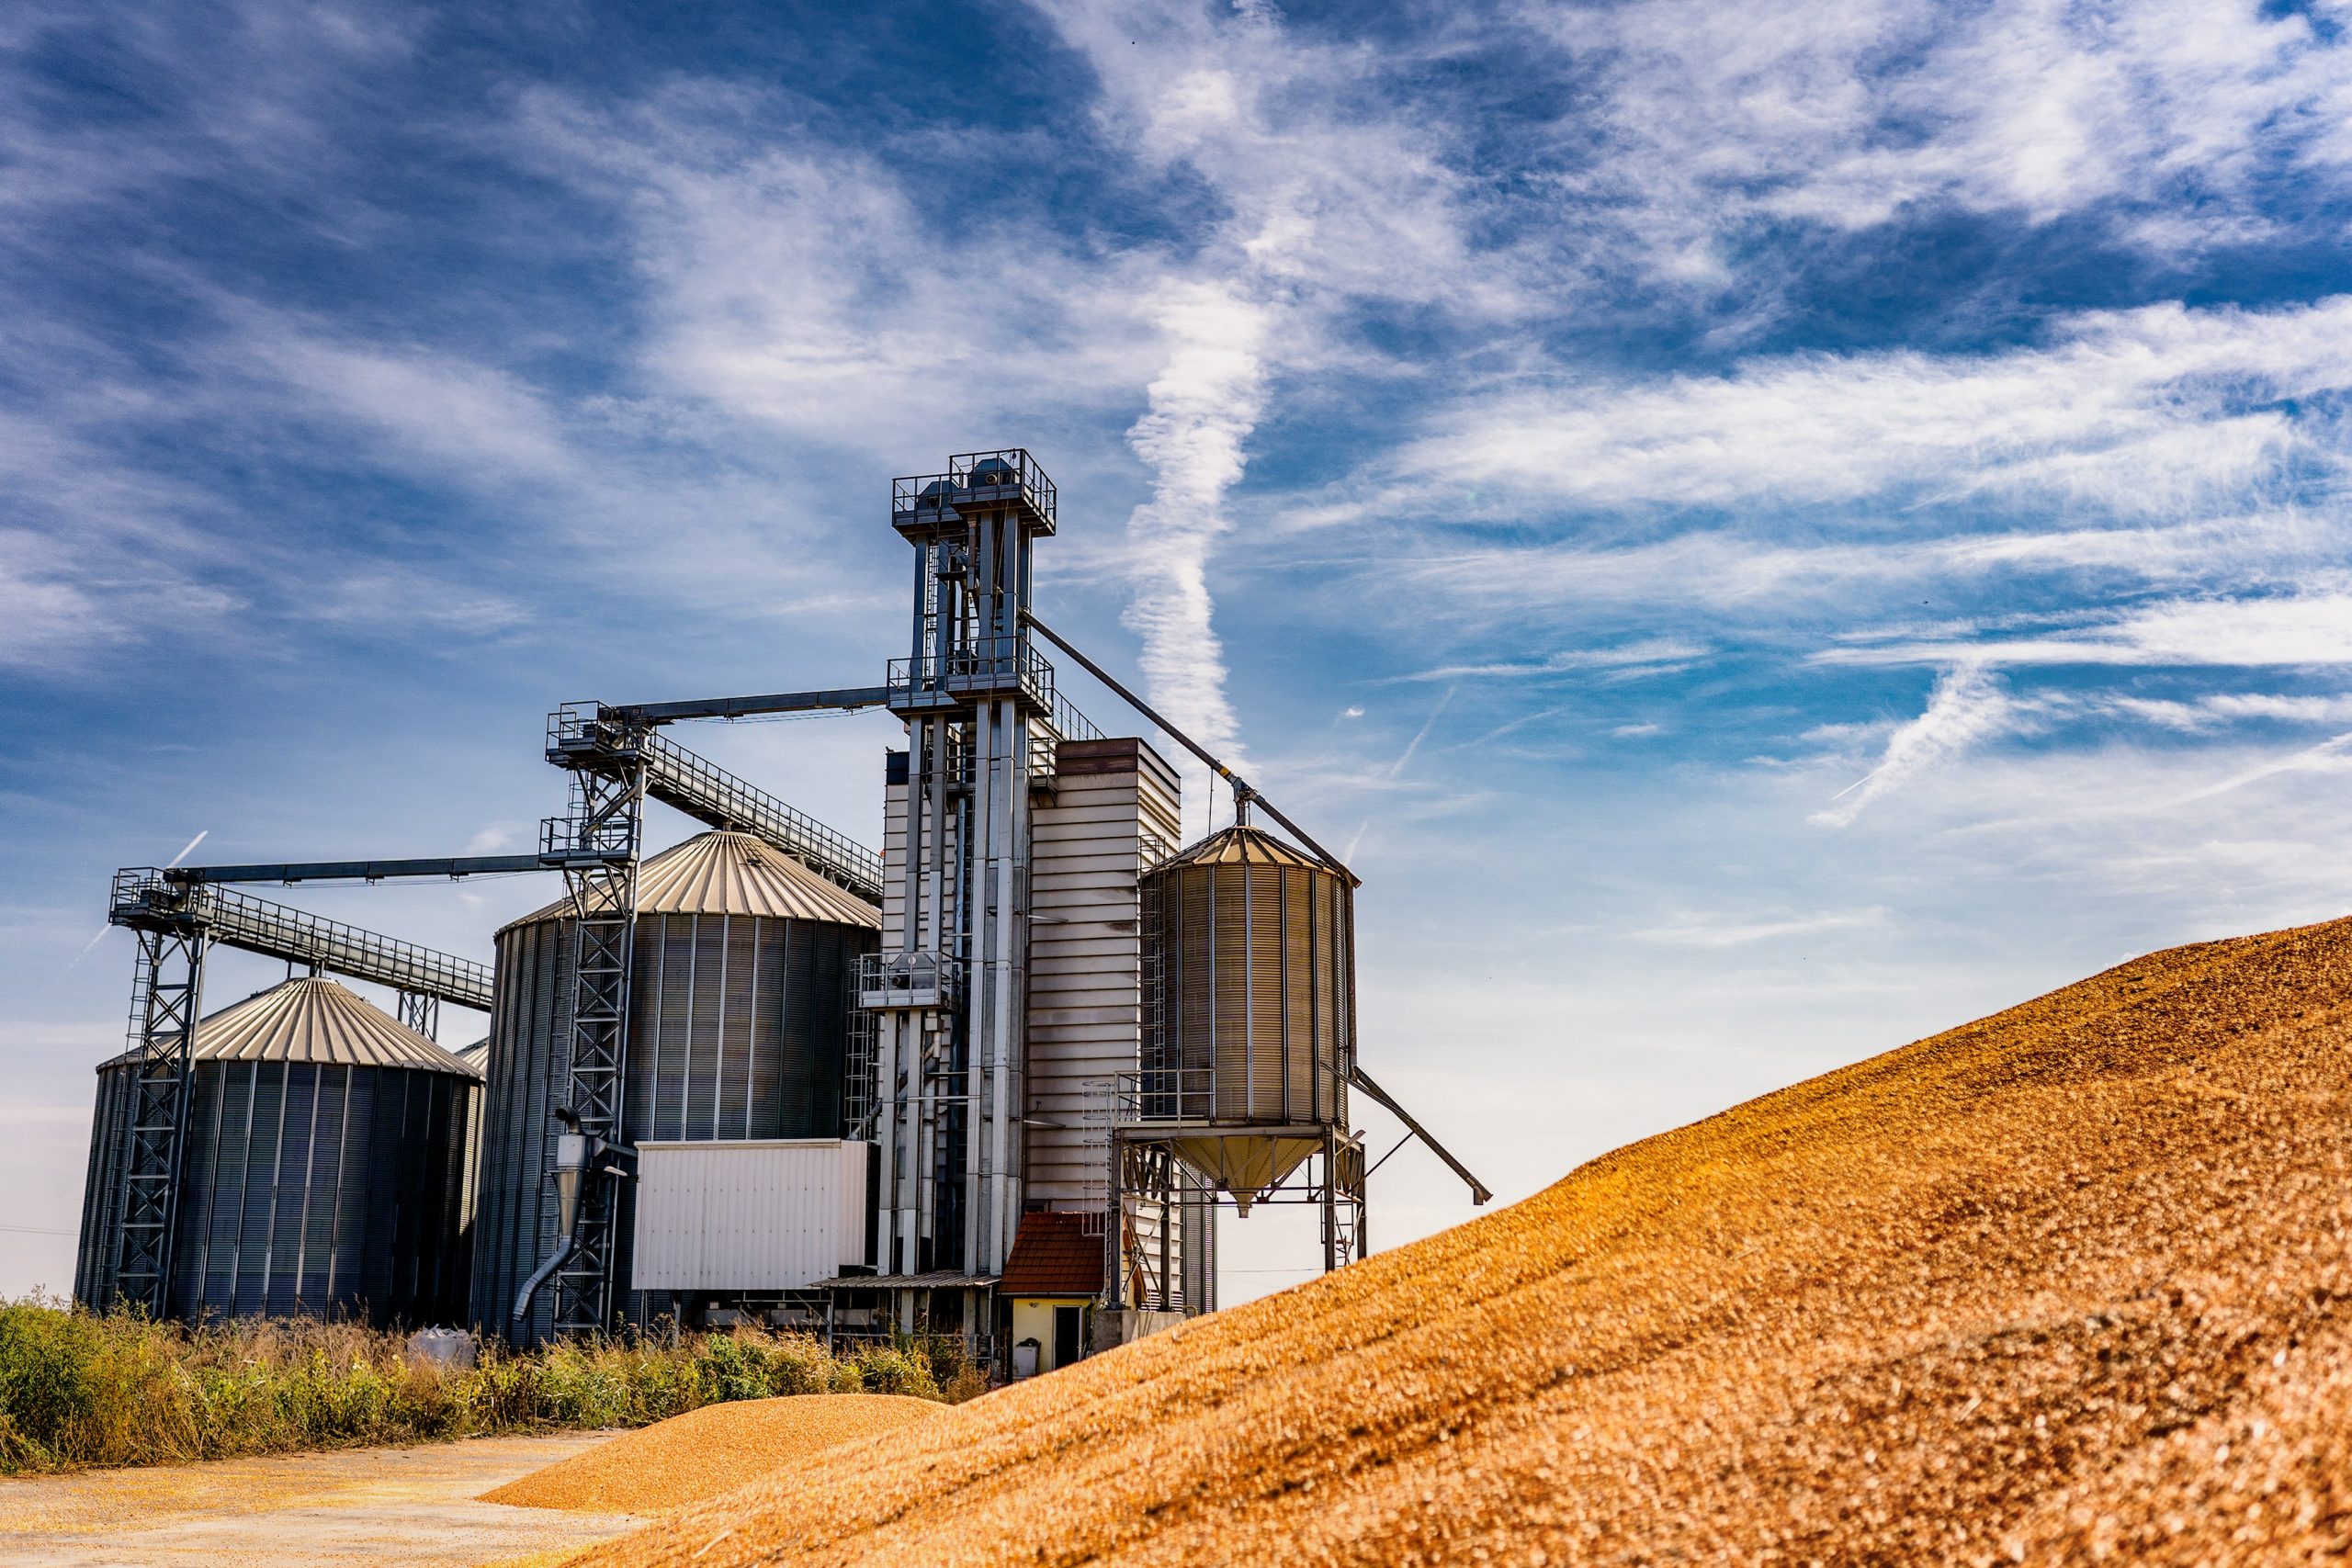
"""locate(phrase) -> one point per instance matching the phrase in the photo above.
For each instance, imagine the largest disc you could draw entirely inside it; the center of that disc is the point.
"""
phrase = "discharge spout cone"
(1244, 1167)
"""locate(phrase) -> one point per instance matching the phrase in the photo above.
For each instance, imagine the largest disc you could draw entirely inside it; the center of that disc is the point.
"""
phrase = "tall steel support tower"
(952, 997)
(167, 997)
(598, 847)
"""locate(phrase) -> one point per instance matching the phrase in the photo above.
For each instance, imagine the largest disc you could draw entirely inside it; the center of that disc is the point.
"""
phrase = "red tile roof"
(1054, 1254)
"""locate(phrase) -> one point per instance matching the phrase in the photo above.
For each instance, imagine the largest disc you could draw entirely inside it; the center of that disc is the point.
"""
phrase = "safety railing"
(861, 1066)
(708, 792)
(898, 980)
(145, 897)
(1069, 724)
(986, 666)
(580, 736)
(1165, 1094)
(1007, 477)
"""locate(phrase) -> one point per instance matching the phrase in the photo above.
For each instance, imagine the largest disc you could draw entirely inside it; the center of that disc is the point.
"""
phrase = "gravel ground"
(707, 1452)
(2064, 1283)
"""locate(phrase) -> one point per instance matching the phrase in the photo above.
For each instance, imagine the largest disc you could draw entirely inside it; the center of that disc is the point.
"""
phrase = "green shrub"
(895, 1369)
(78, 1390)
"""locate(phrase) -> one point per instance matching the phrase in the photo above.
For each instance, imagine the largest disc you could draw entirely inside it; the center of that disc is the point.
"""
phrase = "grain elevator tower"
(950, 987)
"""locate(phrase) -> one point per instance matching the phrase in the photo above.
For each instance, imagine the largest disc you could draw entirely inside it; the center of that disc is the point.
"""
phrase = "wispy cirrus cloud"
(2311, 628)
(1648, 656)
(1716, 930)
(2160, 120)
(1330, 198)
(2153, 412)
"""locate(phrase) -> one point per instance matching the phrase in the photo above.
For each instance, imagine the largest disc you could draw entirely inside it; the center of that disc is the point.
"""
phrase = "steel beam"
(421, 1012)
(291, 872)
(1362, 1080)
(845, 699)
(1244, 796)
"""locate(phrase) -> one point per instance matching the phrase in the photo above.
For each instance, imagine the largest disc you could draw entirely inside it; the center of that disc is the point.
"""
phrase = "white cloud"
(2332, 757)
(2285, 709)
(1743, 571)
(1716, 930)
(1689, 133)
(2308, 629)
(1334, 185)
(2156, 411)
(1647, 656)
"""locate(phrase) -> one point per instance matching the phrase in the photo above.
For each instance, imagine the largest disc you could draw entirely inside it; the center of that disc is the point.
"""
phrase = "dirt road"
(361, 1507)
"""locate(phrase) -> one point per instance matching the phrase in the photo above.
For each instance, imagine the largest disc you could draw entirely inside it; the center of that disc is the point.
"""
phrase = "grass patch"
(79, 1390)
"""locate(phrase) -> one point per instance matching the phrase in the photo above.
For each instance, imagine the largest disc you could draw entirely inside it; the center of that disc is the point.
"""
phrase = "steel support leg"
(422, 1013)
(167, 996)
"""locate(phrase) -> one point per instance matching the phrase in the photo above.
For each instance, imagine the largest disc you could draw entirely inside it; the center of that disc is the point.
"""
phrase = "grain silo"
(476, 1056)
(1248, 1007)
(322, 1165)
(744, 976)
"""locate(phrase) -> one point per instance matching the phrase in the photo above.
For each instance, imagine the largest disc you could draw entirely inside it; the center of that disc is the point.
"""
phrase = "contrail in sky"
(1402, 758)
(1202, 408)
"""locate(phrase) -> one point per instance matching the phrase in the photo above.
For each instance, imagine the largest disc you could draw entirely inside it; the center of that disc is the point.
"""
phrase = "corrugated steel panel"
(738, 1029)
(319, 1188)
(314, 1019)
(1088, 847)
(764, 1216)
(1255, 957)
(732, 874)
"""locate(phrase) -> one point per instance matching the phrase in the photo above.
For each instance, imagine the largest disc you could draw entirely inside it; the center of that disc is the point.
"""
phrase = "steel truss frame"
(420, 1011)
(599, 846)
(167, 997)
(1146, 1169)
(589, 736)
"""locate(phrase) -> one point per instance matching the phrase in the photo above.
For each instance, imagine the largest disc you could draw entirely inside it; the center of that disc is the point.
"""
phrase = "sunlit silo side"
(1249, 1002)
(322, 1165)
(744, 978)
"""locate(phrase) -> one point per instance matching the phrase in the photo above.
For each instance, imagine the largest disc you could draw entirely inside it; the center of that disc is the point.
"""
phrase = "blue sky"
(1764, 538)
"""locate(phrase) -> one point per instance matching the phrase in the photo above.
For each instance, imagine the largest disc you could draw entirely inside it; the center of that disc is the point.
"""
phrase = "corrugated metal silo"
(745, 976)
(476, 1056)
(323, 1166)
(1249, 1002)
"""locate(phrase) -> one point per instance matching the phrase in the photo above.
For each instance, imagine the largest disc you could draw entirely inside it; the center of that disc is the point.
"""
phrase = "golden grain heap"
(707, 1452)
(2069, 1283)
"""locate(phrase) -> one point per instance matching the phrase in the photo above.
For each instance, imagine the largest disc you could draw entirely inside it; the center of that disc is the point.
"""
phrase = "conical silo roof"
(314, 1019)
(732, 873)
(476, 1055)
(1244, 844)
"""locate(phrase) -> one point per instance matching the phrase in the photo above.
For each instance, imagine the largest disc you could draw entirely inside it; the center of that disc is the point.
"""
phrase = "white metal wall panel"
(1085, 958)
(894, 866)
(779, 1214)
